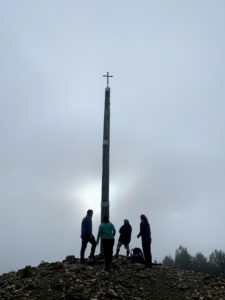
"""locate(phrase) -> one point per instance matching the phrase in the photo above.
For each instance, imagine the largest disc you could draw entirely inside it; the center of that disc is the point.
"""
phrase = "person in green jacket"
(107, 232)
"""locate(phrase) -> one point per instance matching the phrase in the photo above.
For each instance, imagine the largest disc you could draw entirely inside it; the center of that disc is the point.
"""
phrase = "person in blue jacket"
(87, 236)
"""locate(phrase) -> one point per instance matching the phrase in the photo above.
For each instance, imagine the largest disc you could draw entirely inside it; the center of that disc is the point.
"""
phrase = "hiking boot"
(117, 253)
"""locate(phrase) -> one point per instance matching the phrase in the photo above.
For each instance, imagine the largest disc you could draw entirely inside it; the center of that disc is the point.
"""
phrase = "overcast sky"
(167, 156)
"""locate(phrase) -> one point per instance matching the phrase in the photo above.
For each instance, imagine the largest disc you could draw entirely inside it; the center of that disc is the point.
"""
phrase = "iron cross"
(107, 78)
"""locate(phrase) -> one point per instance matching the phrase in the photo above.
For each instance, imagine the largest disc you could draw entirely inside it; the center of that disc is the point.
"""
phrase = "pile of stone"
(74, 281)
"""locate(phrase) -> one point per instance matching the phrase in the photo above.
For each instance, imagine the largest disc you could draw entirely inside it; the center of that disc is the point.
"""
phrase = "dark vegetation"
(214, 265)
(25, 272)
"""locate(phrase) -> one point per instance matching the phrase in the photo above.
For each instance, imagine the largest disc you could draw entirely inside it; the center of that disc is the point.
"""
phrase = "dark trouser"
(146, 246)
(85, 240)
(126, 245)
(107, 245)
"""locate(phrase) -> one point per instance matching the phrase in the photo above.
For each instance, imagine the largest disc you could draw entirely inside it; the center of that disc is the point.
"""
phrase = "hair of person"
(144, 218)
(126, 221)
(105, 219)
(90, 211)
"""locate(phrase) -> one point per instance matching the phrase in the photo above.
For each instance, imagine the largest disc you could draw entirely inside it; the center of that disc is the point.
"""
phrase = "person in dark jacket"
(125, 237)
(145, 234)
(107, 232)
(87, 236)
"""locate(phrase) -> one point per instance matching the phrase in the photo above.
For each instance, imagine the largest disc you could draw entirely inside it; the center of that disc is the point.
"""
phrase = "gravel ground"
(74, 281)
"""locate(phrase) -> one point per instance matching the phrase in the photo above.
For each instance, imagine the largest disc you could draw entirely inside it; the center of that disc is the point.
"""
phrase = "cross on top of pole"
(107, 78)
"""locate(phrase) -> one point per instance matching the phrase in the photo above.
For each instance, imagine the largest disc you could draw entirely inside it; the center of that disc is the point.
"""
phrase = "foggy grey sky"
(167, 156)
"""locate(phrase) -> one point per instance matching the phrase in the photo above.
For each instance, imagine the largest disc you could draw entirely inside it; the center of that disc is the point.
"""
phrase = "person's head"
(126, 221)
(143, 218)
(105, 219)
(90, 212)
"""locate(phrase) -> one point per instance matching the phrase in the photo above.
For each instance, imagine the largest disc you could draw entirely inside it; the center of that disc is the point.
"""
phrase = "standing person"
(87, 236)
(145, 234)
(107, 232)
(125, 237)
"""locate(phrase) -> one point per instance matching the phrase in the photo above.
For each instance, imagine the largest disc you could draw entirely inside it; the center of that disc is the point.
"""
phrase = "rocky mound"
(71, 280)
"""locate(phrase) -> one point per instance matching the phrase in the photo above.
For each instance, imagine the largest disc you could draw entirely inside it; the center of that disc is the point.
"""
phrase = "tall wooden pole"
(105, 157)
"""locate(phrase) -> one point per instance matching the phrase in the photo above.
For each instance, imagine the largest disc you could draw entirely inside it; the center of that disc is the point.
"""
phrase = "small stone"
(70, 259)
(112, 293)
(184, 287)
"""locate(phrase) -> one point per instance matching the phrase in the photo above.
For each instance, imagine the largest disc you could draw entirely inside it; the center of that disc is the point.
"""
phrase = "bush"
(26, 272)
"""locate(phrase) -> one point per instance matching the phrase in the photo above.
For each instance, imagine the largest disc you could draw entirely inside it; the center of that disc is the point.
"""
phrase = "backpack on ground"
(137, 256)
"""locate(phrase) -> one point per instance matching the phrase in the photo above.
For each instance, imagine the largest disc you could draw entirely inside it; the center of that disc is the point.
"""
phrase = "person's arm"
(99, 233)
(113, 230)
(120, 231)
(89, 226)
(139, 232)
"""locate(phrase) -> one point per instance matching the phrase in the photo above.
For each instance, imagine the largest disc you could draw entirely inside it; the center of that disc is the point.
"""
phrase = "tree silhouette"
(217, 262)
(183, 258)
(168, 261)
(215, 265)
